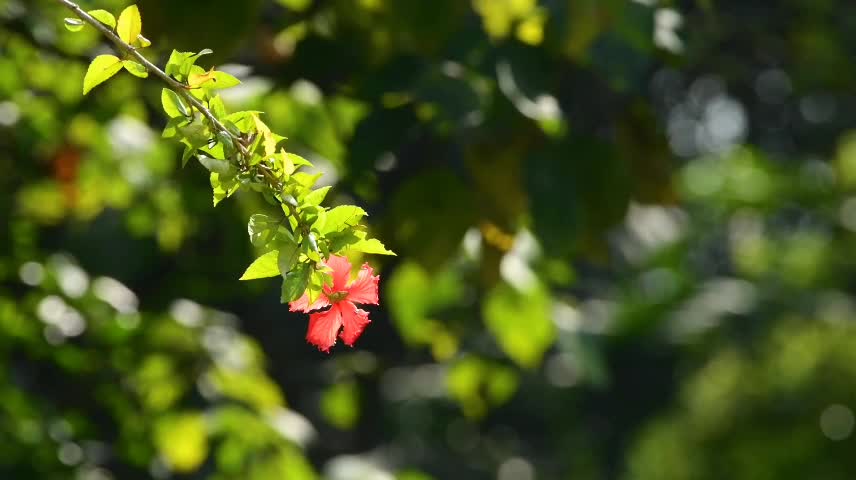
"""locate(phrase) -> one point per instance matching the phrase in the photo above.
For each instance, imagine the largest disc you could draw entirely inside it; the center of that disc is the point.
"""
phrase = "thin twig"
(182, 90)
(175, 85)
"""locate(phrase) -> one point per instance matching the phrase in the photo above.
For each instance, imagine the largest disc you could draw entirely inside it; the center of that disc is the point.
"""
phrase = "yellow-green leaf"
(74, 24)
(130, 24)
(212, 80)
(263, 267)
(143, 41)
(104, 17)
(136, 69)
(523, 341)
(371, 245)
(182, 439)
(267, 135)
(101, 68)
(173, 105)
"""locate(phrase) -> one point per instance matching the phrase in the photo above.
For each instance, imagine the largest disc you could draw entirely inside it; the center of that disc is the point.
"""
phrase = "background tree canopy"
(625, 234)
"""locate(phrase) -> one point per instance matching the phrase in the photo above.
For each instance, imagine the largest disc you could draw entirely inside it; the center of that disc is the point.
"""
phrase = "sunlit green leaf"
(74, 24)
(371, 245)
(183, 440)
(173, 105)
(136, 69)
(104, 17)
(102, 68)
(341, 217)
(263, 267)
(504, 312)
(130, 25)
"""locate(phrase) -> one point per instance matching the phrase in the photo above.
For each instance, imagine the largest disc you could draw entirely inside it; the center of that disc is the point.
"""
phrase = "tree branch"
(181, 90)
(173, 84)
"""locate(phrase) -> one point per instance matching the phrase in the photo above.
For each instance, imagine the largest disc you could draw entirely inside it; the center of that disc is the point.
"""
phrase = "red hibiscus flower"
(341, 297)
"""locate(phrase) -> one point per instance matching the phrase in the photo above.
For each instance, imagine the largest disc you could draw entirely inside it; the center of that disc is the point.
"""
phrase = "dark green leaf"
(295, 282)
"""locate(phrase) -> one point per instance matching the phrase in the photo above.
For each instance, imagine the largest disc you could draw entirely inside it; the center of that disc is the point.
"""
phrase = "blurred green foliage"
(625, 234)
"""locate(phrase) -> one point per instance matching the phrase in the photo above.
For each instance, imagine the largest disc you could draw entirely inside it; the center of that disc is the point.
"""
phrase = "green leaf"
(341, 217)
(173, 105)
(315, 197)
(135, 68)
(130, 24)
(244, 119)
(185, 156)
(295, 282)
(224, 80)
(523, 341)
(217, 165)
(372, 246)
(262, 229)
(172, 127)
(212, 80)
(104, 17)
(340, 240)
(224, 186)
(218, 109)
(143, 41)
(191, 428)
(297, 160)
(74, 24)
(175, 64)
(102, 68)
(288, 254)
(317, 280)
(340, 405)
(305, 179)
(263, 267)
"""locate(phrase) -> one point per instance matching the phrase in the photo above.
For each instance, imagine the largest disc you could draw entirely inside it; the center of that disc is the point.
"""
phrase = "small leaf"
(176, 62)
(315, 197)
(172, 127)
(371, 245)
(224, 80)
(173, 105)
(136, 69)
(262, 267)
(143, 41)
(216, 165)
(74, 24)
(130, 24)
(288, 254)
(219, 111)
(297, 160)
(261, 229)
(102, 68)
(223, 185)
(227, 143)
(185, 156)
(104, 17)
(267, 135)
(212, 80)
(295, 282)
(342, 217)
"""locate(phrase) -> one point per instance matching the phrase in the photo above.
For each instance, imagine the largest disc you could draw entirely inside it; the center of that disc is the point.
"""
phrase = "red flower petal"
(302, 303)
(341, 272)
(364, 288)
(354, 320)
(323, 327)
